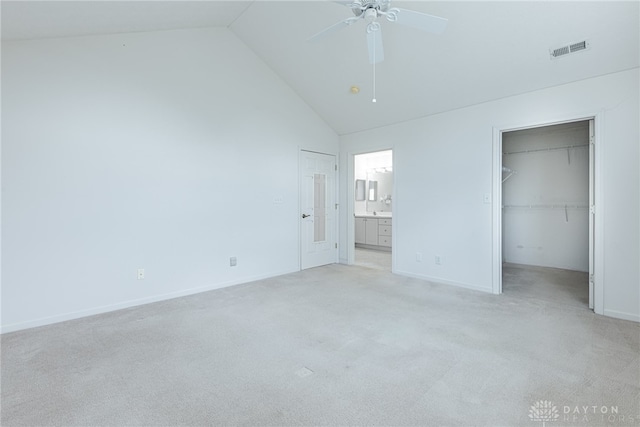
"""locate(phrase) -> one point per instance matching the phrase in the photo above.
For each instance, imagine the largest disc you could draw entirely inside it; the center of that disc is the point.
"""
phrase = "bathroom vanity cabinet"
(373, 231)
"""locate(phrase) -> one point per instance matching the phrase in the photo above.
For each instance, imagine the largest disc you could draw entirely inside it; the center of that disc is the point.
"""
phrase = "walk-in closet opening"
(547, 224)
(373, 209)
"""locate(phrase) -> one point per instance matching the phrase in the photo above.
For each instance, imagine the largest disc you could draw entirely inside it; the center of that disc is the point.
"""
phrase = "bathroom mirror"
(383, 200)
(360, 189)
(373, 191)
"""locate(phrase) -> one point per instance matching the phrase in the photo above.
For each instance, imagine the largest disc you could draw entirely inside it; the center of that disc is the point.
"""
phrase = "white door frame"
(336, 198)
(598, 151)
(351, 203)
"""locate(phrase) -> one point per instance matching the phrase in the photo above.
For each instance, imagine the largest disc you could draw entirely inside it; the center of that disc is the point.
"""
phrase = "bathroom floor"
(380, 260)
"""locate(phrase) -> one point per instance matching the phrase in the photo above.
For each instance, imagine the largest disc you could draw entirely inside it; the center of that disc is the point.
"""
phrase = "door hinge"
(336, 246)
(337, 206)
(591, 278)
(592, 209)
(335, 167)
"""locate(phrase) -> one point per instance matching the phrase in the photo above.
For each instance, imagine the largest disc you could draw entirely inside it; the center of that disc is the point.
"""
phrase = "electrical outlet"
(141, 274)
(419, 256)
(233, 261)
(438, 260)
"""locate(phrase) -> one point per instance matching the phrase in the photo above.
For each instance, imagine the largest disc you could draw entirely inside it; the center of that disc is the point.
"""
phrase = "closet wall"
(545, 201)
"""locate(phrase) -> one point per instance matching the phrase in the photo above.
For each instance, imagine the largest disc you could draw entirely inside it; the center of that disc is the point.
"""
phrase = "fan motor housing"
(363, 6)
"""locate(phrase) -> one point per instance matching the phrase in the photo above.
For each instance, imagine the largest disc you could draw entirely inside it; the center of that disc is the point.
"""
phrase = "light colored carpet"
(554, 285)
(335, 345)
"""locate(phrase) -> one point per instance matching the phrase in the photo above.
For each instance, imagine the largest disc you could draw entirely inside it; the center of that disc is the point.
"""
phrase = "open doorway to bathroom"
(373, 209)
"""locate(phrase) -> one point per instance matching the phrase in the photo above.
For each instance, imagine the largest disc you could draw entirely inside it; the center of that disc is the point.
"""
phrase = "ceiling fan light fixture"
(354, 90)
(370, 10)
(391, 14)
(370, 14)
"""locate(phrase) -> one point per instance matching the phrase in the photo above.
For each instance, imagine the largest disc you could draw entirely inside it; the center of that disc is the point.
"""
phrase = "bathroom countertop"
(383, 215)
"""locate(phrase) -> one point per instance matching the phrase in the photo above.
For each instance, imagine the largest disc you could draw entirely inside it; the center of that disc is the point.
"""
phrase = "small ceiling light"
(354, 90)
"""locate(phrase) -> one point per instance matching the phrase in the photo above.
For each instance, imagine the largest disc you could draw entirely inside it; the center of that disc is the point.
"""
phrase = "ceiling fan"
(370, 11)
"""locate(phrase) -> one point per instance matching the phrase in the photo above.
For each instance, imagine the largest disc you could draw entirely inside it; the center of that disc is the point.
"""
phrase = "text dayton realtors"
(595, 412)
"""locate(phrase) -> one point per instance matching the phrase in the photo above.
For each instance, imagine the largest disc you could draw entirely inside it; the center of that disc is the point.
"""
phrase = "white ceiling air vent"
(569, 49)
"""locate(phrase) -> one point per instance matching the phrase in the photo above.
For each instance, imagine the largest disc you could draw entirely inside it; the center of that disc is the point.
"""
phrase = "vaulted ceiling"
(489, 50)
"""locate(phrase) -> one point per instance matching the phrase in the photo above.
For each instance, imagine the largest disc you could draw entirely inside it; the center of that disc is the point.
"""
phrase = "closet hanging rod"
(547, 206)
(548, 149)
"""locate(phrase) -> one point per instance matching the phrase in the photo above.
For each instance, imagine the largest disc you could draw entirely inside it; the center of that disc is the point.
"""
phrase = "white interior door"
(592, 211)
(318, 243)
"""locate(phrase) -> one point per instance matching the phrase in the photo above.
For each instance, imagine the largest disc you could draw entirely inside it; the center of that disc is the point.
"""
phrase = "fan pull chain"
(374, 82)
(374, 71)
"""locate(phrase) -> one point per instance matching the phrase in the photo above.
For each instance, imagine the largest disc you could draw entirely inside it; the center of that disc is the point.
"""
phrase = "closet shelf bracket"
(511, 172)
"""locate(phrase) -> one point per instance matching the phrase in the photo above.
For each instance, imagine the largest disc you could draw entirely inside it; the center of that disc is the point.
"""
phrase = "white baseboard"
(622, 315)
(13, 327)
(445, 282)
(185, 292)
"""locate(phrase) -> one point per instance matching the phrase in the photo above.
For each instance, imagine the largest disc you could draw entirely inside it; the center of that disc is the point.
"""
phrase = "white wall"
(443, 168)
(547, 234)
(158, 150)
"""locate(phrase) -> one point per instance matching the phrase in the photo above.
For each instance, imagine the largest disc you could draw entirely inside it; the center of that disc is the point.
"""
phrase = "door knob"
(305, 215)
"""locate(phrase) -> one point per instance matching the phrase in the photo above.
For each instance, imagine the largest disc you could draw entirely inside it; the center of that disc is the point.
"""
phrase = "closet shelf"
(546, 206)
(567, 147)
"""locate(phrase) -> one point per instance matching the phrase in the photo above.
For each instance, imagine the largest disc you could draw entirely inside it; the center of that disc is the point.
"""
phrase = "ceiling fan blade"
(374, 43)
(421, 21)
(351, 4)
(335, 27)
